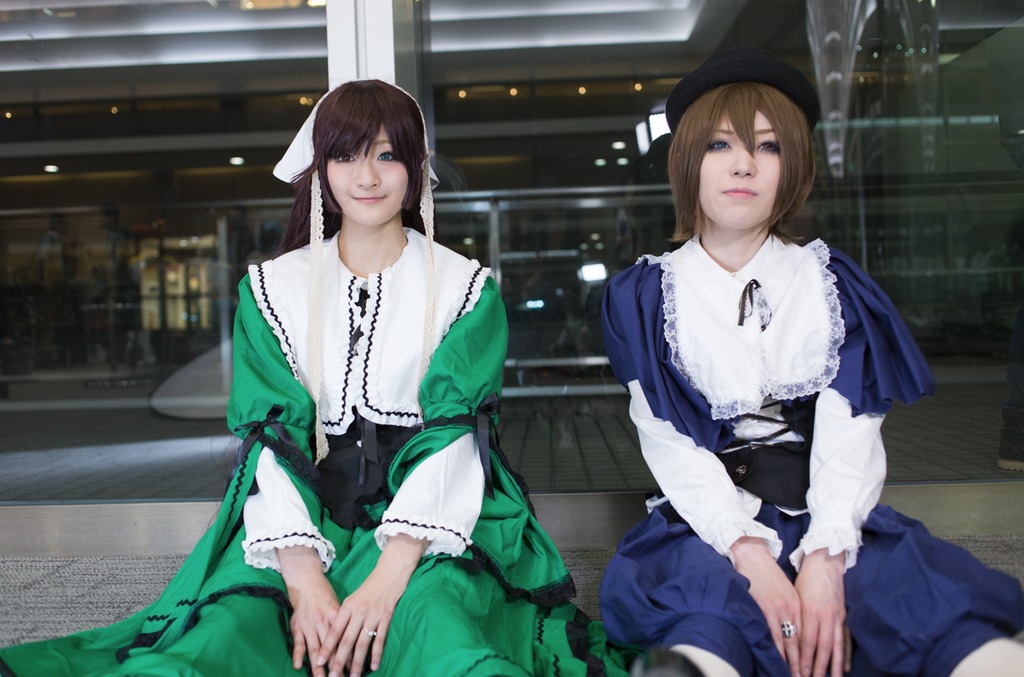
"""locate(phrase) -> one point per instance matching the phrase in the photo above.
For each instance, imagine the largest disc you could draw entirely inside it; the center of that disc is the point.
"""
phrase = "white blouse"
(740, 368)
(441, 498)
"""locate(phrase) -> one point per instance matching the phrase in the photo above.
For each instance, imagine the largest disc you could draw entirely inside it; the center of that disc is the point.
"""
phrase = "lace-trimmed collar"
(736, 366)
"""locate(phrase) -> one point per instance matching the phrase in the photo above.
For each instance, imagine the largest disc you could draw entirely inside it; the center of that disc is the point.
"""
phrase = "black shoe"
(664, 663)
(1011, 440)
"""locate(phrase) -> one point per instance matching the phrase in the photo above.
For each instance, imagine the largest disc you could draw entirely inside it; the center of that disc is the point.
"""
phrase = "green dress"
(500, 608)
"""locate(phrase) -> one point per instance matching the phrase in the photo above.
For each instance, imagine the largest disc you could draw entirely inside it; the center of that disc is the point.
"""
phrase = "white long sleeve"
(696, 483)
(276, 518)
(847, 475)
(440, 500)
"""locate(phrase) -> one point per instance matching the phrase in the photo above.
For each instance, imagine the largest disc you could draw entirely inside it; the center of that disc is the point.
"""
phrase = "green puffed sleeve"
(269, 406)
(464, 372)
(463, 377)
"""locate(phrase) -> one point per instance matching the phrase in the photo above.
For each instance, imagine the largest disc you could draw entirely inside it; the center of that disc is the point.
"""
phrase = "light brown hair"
(739, 103)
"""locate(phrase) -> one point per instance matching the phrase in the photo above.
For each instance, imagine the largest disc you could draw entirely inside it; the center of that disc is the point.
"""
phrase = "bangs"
(739, 103)
(348, 127)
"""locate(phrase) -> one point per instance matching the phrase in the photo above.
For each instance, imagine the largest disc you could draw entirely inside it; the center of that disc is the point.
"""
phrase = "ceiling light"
(51, 169)
(619, 145)
(582, 90)
(462, 94)
(237, 161)
(638, 87)
(600, 162)
(513, 91)
(593, 272)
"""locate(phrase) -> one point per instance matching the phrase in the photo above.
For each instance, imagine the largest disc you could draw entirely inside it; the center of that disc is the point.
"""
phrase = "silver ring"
(371, 633)
(788, 630)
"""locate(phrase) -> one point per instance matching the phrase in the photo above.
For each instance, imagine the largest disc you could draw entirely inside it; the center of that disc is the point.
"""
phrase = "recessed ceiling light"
(51, 169)
(237, 161)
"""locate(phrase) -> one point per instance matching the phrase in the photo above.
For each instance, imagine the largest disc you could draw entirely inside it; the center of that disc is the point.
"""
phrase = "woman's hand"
(313, 602)
(361, 624)
(824, 638)
(771, 589)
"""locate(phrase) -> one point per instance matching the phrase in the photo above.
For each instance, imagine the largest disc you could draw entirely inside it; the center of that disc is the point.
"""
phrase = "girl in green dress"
(371, 524)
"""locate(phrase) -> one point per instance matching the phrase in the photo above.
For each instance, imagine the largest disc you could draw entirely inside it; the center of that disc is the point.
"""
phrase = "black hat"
(742, 64)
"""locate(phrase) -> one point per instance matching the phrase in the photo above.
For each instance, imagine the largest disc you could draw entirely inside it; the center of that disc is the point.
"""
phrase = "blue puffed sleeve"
(879, 362)
(633, 324)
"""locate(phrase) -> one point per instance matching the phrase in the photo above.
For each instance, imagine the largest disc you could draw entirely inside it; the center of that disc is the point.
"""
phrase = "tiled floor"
(122, 450)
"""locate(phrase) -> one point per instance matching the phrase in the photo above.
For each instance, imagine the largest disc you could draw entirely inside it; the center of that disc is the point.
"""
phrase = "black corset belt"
(777, 472)
(356, 466)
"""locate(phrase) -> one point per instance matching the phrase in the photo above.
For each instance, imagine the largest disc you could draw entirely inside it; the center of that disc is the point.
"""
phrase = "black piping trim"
(277, 319)
(148, 639)
(426, 526)
(291, 535)
(540, 625)
(239, 473)
(484, 659)
(553, 594)
(348, 356)
(469, 291)
(369, 352)
(370, 335)
(370, 348)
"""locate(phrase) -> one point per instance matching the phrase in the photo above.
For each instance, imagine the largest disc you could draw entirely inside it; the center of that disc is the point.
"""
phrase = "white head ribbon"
(299, 155)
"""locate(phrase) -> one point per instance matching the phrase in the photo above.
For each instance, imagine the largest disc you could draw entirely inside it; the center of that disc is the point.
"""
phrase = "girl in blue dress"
(760, 372)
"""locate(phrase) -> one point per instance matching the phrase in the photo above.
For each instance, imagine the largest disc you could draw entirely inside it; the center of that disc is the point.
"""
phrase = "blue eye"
(386, 155)
(717, 144)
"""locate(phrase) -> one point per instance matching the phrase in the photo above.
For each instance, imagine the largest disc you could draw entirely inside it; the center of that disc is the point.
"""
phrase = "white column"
(360, 41)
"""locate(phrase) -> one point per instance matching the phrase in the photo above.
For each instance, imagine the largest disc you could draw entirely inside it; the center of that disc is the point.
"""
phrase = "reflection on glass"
(119, 268)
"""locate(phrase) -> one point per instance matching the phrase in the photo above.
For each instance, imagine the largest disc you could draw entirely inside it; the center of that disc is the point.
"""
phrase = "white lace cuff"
(728, 534)
(835, 541)
(444, 539)
(261, 553)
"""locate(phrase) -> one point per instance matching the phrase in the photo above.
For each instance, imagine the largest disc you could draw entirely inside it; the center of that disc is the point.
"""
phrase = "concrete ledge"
(574, 520)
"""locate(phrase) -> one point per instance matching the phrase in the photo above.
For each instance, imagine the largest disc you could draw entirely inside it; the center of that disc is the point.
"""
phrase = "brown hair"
(739, 103)
(348, 121)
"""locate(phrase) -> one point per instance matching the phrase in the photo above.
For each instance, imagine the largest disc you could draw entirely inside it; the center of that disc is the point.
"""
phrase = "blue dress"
(916, 605)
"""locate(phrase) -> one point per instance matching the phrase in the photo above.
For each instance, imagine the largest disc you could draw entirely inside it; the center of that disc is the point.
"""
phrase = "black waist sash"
(356, 466)
(777, 472)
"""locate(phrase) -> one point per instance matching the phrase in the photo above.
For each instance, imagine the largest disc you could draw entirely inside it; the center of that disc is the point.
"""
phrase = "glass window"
(136, 147)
